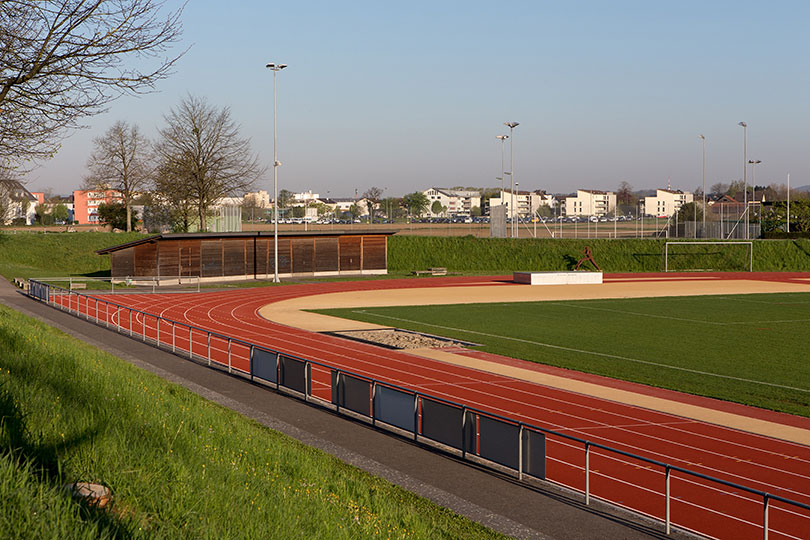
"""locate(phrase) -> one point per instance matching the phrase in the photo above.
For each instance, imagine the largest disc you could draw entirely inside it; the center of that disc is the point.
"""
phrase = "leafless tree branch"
(62, 61)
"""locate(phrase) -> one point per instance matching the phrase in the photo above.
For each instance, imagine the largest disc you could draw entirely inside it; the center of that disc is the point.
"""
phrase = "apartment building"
(590, 202)
(526, 202)
(456, 202)
(666, 202)
(85, 204)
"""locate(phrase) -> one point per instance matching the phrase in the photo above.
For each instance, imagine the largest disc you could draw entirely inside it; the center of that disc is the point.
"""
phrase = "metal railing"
(138, 282)
(494, 441)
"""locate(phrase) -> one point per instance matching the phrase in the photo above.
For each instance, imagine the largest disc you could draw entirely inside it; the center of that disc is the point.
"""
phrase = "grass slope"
(499, 255)
(56, 254)
(179, 466)
(743, 348)
(36, 254)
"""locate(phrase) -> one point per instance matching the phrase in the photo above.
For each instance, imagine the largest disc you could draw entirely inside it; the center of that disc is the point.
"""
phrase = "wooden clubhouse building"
(250, 255)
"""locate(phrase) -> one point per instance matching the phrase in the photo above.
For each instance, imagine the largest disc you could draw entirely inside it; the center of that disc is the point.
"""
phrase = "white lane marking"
(583, 351)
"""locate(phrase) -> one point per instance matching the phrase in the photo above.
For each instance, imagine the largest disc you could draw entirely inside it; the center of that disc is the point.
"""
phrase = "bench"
(439, 271)
(78, 286)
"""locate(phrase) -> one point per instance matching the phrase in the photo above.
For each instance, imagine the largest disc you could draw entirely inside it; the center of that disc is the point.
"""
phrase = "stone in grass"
(93, 494)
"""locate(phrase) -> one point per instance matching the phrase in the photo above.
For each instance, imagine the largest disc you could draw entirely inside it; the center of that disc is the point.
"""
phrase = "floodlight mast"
(702, 138)
(502, 138)
(745, 173)
(276, 163)
(512, 126)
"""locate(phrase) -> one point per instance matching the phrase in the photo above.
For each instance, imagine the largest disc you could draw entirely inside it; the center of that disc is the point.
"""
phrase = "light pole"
(502, 138)
(703, 229)
(787, 221)
(276, 68)
(745, 173)
(754, 163)
(512, 126)
(517, 227)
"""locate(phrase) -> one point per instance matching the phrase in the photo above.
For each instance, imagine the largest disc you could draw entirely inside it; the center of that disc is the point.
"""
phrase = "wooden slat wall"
(169, 258)
(121, 263)
(350, 255)
(263, 263)
(189, 257)
(284, 256)
(249, 256)
(250, 264)
(326, 254)
(146, 260)
(374, 254)
(234, 258)
(303, 255)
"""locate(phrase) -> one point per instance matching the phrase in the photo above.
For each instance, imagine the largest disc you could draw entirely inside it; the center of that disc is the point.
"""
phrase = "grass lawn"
(178, 465)
(745, 348)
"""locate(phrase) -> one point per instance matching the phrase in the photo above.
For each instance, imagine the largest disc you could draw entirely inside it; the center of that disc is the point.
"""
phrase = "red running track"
(774, 466)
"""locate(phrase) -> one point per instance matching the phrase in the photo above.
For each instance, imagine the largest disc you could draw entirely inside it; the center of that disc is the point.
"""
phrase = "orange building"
(85, 204)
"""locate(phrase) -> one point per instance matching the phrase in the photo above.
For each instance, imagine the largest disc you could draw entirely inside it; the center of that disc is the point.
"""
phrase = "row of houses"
(83, 205)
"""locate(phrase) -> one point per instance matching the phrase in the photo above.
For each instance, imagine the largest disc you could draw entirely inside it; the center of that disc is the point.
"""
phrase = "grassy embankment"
(179, 466)
(57, 254)
(743, 348)
(503, 255)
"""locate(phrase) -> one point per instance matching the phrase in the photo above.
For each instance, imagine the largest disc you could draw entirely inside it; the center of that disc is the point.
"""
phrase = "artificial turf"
(744, 348)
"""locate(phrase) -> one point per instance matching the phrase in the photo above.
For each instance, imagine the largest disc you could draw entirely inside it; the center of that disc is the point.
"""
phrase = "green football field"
(750, 348)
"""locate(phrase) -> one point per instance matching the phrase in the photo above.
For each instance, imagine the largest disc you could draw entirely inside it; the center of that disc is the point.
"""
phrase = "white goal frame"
(749, 244)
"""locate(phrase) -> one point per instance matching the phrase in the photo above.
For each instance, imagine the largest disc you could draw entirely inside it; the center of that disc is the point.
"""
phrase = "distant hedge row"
(505, 255)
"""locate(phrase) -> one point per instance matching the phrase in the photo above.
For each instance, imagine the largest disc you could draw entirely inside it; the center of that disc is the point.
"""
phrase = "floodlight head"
(754, 161)
(502, 137)
(743, 124)
(511, 125)
(276, 67)
(702, 137)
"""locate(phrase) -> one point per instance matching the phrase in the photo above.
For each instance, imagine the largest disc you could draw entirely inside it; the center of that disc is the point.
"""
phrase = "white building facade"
(526, 203)
(666, 202)
(455, 202)
(590, 202)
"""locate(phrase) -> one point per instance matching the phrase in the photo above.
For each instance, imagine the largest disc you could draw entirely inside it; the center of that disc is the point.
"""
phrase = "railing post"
(250, 361)
(190, 353)
(107, 314)
(668, 499)
(587, 473)
(229, 355)
(157, 331)
(766, 504)
(307, 383)
(463, 432)
(373, 401)
(130, 322)
(415, 417)
(209, 348)
(520, 452)
(337, 390)
(143, 327)
(173, 327)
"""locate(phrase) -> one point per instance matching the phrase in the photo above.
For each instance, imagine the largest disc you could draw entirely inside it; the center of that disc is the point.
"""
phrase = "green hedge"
(504, 255)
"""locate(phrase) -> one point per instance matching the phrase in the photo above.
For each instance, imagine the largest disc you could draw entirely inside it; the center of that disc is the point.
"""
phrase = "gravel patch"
(400, 339)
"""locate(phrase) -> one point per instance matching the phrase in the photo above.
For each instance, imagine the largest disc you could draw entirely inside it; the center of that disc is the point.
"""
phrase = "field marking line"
(669, 317)
(594, 353)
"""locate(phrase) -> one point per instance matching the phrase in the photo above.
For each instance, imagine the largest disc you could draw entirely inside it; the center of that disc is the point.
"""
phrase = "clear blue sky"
(409, 95)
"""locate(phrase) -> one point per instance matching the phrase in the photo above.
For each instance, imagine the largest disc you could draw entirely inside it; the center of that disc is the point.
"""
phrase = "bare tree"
(120, 161)
(372, 197)
(201, 149)
(64, 60)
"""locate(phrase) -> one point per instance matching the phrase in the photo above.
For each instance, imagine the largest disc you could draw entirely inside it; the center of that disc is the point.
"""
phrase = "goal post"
(708, 257)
